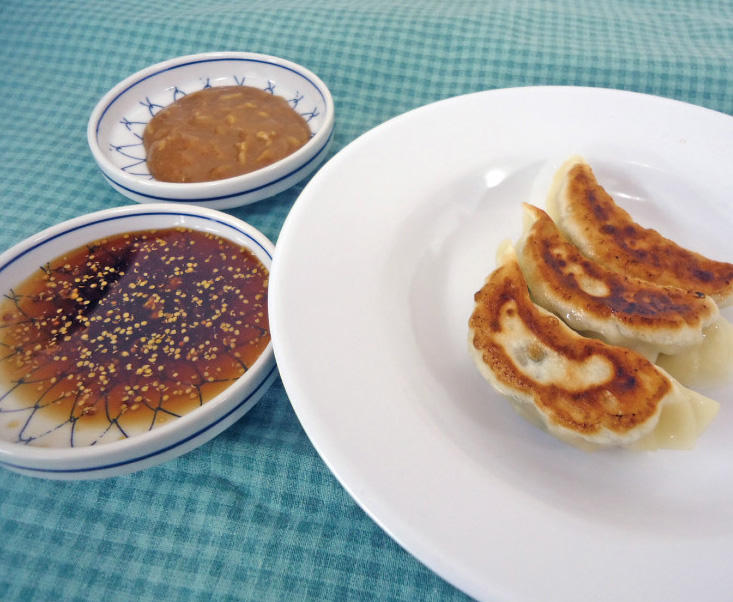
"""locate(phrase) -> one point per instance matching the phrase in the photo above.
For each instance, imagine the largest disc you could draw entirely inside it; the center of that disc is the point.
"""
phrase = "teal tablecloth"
(255, 514)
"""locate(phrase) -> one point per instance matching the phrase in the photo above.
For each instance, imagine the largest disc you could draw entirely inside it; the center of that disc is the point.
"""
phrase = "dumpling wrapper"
(588, 216)
(708, 363)
(581, 390)
(619, 309)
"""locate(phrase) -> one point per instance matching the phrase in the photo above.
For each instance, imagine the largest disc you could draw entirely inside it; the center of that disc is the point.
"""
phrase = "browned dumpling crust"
(582, 390)
(621, 309)
(603, 231)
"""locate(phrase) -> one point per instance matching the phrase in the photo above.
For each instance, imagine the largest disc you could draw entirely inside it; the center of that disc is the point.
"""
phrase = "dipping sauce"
(130, 332)
(221, 132)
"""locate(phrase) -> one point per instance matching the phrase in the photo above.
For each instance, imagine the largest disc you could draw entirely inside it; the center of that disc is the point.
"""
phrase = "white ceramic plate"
(371, 290)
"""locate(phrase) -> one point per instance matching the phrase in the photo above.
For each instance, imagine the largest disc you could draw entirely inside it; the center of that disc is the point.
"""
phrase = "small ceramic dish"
(118, 455)
(117, 123)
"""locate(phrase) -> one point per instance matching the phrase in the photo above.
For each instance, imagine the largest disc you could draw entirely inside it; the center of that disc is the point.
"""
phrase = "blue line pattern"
(137, 160)
(296, 99)
(178, 93)
(310, 114)
(259, 389)
(151, 106)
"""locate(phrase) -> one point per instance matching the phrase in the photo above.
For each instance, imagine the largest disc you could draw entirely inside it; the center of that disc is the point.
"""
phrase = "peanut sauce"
(134, 330)
(221, 132)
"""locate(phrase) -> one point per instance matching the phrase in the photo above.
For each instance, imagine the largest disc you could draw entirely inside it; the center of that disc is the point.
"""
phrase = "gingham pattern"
(255, 514)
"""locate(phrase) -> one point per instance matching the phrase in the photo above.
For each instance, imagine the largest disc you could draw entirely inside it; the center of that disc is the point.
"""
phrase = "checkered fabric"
(255, 514)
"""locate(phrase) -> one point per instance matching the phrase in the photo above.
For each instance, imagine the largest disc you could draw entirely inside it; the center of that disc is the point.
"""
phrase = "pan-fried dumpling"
(587, 215)
(619, 309)
(581, 390)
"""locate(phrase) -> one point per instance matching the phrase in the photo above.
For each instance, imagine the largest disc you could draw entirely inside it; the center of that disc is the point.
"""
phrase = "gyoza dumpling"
(590, 298)
(587, 215)
(581, 390)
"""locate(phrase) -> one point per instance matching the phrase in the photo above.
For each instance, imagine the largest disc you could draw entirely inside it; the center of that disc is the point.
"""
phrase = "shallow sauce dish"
(173, 438)
(117, 123)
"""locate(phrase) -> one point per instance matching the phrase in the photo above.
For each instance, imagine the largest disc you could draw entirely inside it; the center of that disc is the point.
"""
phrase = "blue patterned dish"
(117, 123)
(32, 444)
